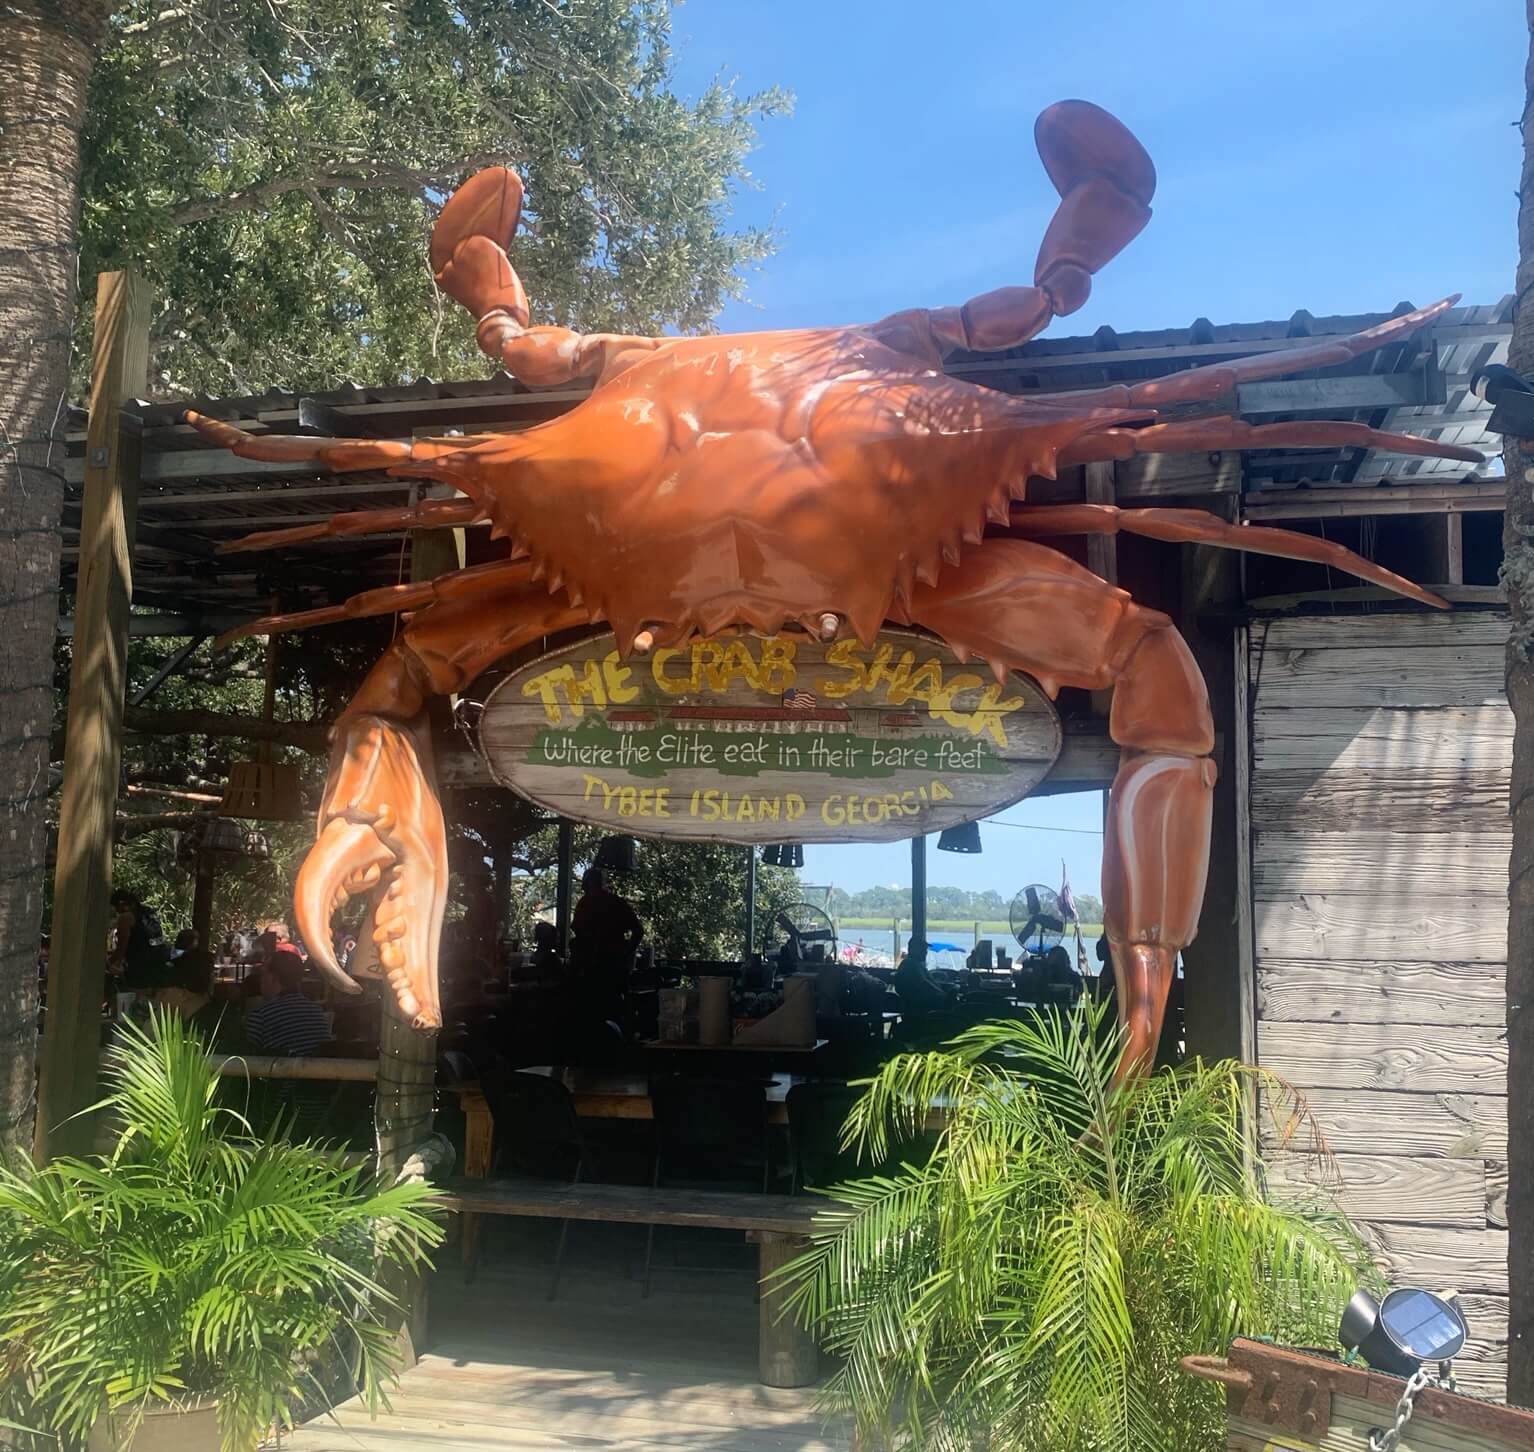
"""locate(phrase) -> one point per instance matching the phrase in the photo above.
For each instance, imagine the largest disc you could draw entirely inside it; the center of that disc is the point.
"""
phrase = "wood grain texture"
(1392, 924)
(1421, 995)
(1416, 804)
(1447, 1259)
(1396, 633)
(636, 1205)
(1466, 1059)
(1496, 1193)
(1358, 862)
(1360, 738)
(1387, 1188)
(1363, 1121)
(93, 729)
(1369, 675)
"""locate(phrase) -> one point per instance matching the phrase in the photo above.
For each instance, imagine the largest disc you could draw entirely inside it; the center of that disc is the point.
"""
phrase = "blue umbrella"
(944, 948)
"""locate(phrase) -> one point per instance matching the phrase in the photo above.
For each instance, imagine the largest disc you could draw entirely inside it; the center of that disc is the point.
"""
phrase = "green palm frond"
(1034, 1282)
(193, 1260)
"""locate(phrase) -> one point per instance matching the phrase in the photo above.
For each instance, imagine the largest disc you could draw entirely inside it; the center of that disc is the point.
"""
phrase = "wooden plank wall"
(1381, 749)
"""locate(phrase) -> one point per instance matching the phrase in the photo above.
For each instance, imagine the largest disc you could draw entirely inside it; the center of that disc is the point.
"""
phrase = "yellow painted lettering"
(768, 808)
(592, 783)
(778, 669)
(671, 685)
(662, 801)
(793, 806)
(844, 656)
(940, 793)
(832, 812)
(547, 687)
(616, 677)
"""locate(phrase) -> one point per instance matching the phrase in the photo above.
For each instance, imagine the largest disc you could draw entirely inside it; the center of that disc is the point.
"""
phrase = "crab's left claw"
(380, 832)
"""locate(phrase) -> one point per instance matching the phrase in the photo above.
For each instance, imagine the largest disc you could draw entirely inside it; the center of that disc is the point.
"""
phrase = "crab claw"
(381, 833)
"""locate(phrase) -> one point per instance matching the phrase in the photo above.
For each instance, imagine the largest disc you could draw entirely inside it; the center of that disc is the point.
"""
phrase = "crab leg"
(1199, 385)
(429, 514)
(1198, 526)
(336, 455)
(1025, 607)
(1106, 181)
(1195, 436)
(380, 828)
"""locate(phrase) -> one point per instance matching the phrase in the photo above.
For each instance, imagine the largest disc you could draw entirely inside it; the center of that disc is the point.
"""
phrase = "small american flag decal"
(799, 700)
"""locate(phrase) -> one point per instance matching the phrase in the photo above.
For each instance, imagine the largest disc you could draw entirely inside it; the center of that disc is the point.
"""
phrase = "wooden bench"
(779, 1224)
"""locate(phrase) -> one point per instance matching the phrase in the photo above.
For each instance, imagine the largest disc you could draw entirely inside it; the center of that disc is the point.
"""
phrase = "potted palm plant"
(195, 1284)
(1035, 1283)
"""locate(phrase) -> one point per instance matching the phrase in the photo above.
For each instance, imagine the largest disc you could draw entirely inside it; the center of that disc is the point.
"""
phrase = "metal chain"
(1388, 1441)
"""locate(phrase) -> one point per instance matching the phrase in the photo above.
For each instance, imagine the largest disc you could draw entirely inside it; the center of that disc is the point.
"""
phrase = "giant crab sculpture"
(748, 481)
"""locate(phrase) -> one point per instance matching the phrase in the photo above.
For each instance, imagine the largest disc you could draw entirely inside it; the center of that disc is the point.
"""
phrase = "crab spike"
(430, 514)
(1194, 436)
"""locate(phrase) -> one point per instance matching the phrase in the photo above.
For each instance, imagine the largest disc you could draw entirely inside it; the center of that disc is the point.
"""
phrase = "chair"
(816, 1114)
(708, 1130)
(538, 1135)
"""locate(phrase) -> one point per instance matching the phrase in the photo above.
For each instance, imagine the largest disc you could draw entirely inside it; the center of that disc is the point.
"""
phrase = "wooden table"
(597, 1095)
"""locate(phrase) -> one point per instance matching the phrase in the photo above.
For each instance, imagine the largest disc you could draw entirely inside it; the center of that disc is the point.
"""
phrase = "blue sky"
(1339, 157)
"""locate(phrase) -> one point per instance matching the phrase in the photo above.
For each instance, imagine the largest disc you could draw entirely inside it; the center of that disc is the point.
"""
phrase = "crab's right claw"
(380, 833)
(470, 241)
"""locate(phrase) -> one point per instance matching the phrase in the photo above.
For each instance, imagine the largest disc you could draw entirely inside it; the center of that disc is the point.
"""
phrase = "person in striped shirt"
(285, 1021)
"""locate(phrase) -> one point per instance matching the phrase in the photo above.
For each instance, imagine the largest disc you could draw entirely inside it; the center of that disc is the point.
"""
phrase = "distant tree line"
(955, 903)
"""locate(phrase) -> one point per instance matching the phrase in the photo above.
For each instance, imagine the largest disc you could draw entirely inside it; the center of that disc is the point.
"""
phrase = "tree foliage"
(274, 167)
(1034, 1285)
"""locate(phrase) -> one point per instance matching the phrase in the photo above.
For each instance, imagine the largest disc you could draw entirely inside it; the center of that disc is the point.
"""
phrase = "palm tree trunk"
(47, 49)
(1518, 539)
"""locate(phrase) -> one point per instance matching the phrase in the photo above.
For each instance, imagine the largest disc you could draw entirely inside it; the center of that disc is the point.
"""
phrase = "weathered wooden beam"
(1346, 502)
(1368, 390)
(1102, 549)
(312, 737)
(93, 733)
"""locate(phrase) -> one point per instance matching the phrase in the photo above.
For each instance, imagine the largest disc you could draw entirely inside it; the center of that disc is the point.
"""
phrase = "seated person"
(189, 992)
(915, 986)
(1058, 980)
(284, 1021)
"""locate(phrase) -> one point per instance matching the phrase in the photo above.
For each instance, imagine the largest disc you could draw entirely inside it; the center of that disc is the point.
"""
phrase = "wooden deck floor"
(599, 1368)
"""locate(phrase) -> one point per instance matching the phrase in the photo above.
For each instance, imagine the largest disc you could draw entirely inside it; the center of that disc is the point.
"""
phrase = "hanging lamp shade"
(263, 791)
(617, 854)
(783, 854)
(963, 838)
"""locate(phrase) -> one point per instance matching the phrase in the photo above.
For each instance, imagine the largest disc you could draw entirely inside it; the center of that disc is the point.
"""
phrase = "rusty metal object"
(824, 479)
(1295, 1392)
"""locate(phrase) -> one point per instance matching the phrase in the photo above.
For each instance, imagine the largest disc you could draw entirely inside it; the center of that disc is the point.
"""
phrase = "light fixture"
(617, 854)
(783, 854)
(963, 838)
(1404, 1330)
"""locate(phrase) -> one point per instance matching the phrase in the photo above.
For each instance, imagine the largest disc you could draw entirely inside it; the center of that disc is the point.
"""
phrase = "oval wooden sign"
(779, 739)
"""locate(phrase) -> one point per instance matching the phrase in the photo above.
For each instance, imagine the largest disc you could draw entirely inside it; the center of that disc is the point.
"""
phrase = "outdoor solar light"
(1404, 1330)
(963, 838)
(1511, 397)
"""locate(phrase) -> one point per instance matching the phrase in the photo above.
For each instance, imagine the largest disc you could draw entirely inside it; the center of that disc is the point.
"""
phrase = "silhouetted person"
(606, 932)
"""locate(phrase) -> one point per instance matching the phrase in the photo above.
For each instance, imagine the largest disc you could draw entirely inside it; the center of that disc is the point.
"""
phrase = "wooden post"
(1213, 988)
(407, 1057)
(202, 900)
(787, 1352)
(93, 735)
(563, 884)
(1102, 549)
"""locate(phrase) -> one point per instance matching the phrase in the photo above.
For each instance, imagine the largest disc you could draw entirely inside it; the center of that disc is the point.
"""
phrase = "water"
(881, 940)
